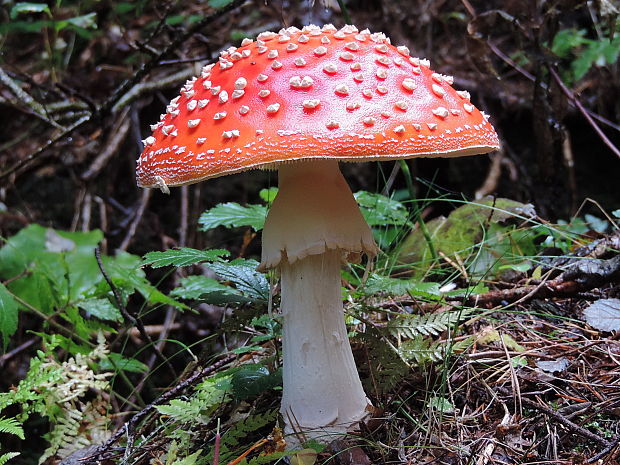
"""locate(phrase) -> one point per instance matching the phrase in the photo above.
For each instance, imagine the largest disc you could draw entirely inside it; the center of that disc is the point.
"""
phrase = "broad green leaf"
(182, 256)
(121, 270)
(379, 210)
(232, 214)
(101, 308)
(242, 273)
(8, 316)
(192, 287)
(29, 8)
(253, 379)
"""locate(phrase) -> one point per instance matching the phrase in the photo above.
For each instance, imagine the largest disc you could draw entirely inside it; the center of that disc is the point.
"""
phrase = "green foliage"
(10, 426)
(379, 210)
(242, 273)
(583, 52)
(254, 379)
(481, 235)
(218, 3)
(8, 316)
(49, 271)
(4, 458)
(431, 324)
(231, 438)
(232, 214)
(183, 256)
(81, 24)
(68, 394)
(198, 408)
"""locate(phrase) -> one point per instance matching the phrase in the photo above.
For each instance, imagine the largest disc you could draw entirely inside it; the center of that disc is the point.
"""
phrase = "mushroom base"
(322, 395)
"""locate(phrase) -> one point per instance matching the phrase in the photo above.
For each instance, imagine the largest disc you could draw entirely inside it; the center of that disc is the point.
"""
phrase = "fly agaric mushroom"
(299, 101)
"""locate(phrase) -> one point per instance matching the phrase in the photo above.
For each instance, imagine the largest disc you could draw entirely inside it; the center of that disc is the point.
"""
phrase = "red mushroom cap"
(310, 93)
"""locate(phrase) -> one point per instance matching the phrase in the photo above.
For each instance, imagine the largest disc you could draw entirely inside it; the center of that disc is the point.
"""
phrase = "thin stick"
(171, 394)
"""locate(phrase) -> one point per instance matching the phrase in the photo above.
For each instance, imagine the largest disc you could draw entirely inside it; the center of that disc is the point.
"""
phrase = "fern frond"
(4, 458)
(387, 368)
(11, 426)
(231, 438)
(431, 324)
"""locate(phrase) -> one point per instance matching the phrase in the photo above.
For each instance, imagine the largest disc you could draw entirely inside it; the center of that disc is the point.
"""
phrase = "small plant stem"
(345, 12)
(218, 440)
(416, 212)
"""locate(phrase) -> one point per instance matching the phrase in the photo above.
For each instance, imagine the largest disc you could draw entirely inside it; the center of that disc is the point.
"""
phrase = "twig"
(171, 394)
(24, 97)
(559, 418)
(110, 147)
(612, 445)
(137, 322)
(32, 156)
(143, 87)
(573, 98)
(131, 232)
(107, 107)
(109, 104)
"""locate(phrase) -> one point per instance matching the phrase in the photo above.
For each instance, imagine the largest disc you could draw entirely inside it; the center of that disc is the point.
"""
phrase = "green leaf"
(379, 210)
(117, 362)
(182, 256)
(566, 40)
(242, 273)
(193, 287)
(232, 214)
(88, 21)
(394, 286)
(8, 316)
(101, 308)
(268, 195)
(29, 8)
(219, 3)
(253, 379)
(11, 426)
(441, 404)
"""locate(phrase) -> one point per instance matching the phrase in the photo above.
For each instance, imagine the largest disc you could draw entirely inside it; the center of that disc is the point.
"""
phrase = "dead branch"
(110, 147)
(129, 427)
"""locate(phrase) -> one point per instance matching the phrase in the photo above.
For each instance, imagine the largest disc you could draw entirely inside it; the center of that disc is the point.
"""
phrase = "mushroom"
(300, 101)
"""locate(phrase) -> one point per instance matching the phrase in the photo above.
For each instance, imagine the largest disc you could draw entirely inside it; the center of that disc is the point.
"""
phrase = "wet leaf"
(604, 315)
(553, 366)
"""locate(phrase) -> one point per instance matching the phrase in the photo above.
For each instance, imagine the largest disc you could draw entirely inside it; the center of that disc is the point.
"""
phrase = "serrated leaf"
(101, 308)
(242, 273)
(8, 316)
(182, 256)
(193, 287)
(604, 315)
(232, 214)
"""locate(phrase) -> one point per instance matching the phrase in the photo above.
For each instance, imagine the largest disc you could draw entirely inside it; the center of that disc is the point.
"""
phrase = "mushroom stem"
(313, 225)
(322, 390)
